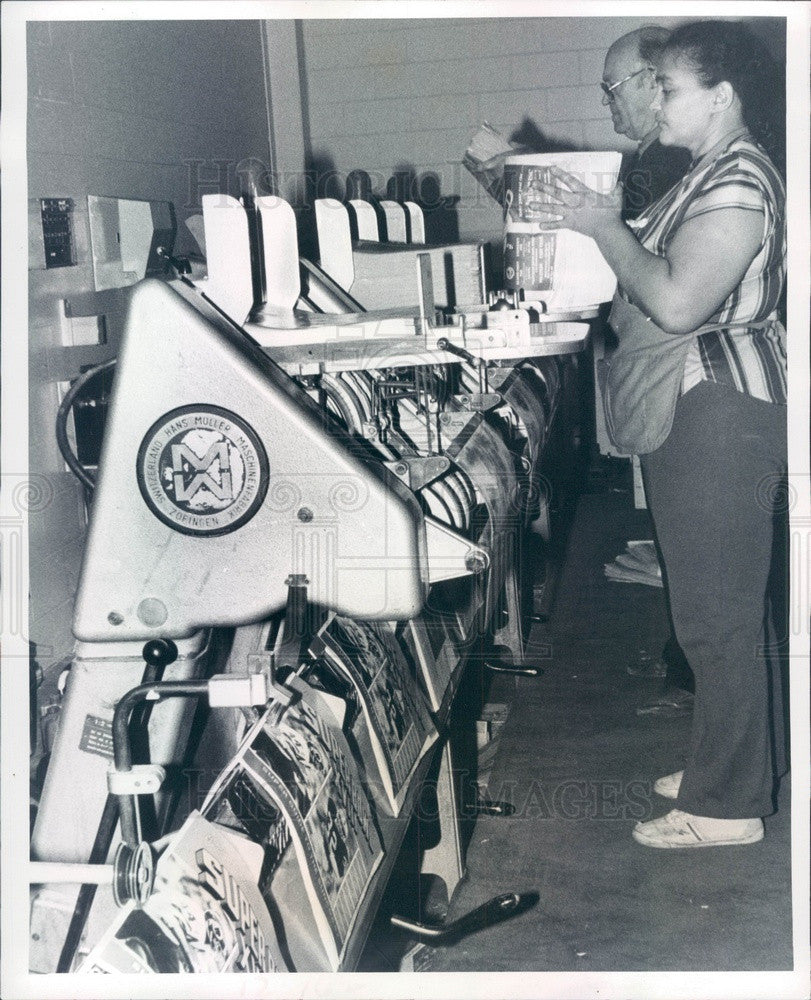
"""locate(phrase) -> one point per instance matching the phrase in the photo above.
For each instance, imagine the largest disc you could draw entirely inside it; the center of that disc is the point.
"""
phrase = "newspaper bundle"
(394, 726)
(205, 914)
(298, 760)
(563, 269)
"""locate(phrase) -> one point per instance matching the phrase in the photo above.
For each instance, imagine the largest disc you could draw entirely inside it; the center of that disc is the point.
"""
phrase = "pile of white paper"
(638, 564)
(561, 268)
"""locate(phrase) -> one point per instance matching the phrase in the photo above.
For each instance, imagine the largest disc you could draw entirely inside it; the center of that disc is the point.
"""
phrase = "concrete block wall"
(157, 110)
(392, 94)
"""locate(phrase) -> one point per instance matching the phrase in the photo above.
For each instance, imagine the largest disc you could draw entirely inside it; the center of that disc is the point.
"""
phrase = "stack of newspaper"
(560, 269)
(484, 158)
(638, 564)
(206, 913)
(393, 729)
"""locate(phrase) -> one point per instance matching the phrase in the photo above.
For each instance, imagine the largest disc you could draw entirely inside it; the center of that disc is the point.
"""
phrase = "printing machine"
(275, 451)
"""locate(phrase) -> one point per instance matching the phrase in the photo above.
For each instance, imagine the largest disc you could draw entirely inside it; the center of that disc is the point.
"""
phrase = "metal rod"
(122, 751)
(98, 854)
(40, 872)
(443, 344)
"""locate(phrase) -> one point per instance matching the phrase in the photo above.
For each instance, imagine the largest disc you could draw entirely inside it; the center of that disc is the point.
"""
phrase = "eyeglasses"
(609, 88)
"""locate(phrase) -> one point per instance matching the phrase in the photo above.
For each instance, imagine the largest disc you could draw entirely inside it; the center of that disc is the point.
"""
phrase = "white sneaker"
(668, 787)
(681, 829)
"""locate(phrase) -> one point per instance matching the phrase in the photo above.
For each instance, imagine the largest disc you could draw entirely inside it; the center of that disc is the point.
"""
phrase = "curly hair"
(727, 50)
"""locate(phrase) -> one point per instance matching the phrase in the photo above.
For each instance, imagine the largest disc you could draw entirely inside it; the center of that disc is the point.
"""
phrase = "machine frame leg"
(511, 633)
(445, 859)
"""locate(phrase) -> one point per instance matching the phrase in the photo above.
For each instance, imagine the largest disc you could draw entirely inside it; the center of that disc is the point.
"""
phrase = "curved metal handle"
(499, 908)
(499, 668)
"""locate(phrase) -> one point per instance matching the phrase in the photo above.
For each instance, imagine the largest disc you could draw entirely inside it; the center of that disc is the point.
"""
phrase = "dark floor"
(578, 763)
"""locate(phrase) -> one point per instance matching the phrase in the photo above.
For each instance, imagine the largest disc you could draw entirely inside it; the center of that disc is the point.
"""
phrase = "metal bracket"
(498, 376)
(480, 402)
(141, 779)
(425, 290)
(451, 555)
(419, 471)
(264, 664)
(370, 430)
(453, 422)
(288, 652)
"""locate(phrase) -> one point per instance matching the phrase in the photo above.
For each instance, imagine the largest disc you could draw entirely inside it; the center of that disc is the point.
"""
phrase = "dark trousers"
(714, 489)
(679, 674)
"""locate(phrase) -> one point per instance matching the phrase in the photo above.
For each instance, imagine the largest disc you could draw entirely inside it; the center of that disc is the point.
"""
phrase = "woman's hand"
(705, 262)
(575, 206)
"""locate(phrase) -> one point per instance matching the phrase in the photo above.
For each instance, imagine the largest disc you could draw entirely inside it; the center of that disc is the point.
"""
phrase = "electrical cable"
(70, 458)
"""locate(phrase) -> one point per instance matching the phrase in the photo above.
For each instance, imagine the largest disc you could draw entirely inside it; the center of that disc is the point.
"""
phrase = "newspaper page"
(206, 913)
(638, 564)
(434, 654)
(394, 711)
(298, 760)
(238, 806)
(484, 158)
(563, 269)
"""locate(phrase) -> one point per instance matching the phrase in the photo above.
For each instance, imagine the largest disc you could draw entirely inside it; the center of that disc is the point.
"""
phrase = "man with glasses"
(629, 87)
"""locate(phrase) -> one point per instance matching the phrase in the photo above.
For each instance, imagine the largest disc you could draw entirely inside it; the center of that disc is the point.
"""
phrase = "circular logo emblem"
(202, 470)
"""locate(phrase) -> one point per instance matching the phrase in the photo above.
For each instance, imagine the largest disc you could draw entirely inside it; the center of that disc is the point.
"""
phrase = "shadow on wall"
(528, 138)
(440, 211)
(323, 180)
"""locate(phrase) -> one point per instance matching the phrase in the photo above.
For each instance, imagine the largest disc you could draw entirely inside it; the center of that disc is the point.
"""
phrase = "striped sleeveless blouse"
(749, 355)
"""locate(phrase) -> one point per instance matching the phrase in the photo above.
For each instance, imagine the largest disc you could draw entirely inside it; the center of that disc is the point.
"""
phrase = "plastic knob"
(159, 652)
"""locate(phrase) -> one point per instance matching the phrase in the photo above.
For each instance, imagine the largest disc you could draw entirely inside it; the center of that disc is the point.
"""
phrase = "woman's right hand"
(573, 205)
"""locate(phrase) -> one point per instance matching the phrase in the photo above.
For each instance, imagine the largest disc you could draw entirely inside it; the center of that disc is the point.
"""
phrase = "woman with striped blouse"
(697, 388)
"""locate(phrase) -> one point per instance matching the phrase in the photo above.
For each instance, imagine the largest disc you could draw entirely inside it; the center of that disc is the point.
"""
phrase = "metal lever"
(443, 344)
(493, 807)
(180, 264)
(494, 911)
(289, 651)
(520, 671)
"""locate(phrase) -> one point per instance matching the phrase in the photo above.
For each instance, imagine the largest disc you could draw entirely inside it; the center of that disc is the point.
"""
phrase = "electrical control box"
(57, 231)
